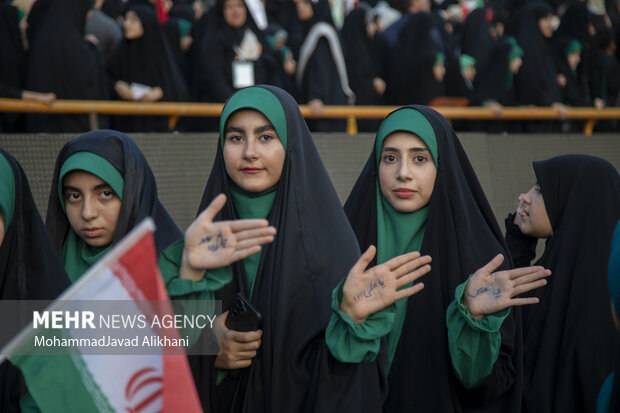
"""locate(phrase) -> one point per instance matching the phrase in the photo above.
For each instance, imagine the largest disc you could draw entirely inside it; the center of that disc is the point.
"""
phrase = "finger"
(238, 225)
(524, 279)
(412, 276)
(523, 301)
(519, 272)
(492, 265)
(239, 255)
(245, 355)
(250, 243)
(254, 233)
(528, 287)
(408, 267)
(214, 207)
(247, 336)
(396, 262)
(245, 347)
(408, 292)
(364, 260)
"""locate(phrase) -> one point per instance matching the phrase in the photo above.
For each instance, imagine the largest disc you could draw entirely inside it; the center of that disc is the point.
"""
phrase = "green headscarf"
(254, 204)
(7, 191)
(401, 232)
(76, 254)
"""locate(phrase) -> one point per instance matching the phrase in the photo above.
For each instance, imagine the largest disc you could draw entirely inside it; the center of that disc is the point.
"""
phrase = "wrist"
(348, 310)
(188, 272)
(467, 305)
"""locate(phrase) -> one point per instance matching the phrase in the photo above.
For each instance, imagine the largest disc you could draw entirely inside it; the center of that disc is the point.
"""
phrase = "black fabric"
(172, 31)
(320, 78)
(493, 80)
(575, 23)
(477, 41)
(61, 61)
(572, 93)
(461, 236)
(537, 77)
(412, 60)
(569, 337)
(12, 65)
(219, 53)
(358, 56)
(149, 61)
(30, 269)
(314, 249)
(139, 194)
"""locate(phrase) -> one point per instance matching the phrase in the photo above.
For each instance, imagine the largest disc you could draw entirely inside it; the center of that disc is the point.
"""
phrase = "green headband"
(466, 61)
(184, 27)
(7, 191)
(573, 46)
(515, 50)
(407, 120)
(439, 59)
(94, 164)
(259, 99)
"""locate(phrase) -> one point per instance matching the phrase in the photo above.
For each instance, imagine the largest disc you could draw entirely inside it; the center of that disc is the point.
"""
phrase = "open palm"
(367, 291)
(211, 244)
(488, 292)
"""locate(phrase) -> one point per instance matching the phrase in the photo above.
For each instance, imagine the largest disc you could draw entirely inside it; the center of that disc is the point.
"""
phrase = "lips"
(404, 193)
(252, 170)
(92, 232)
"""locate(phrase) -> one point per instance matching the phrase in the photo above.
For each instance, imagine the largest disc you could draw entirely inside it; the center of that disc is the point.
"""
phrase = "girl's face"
(92, 207)
(545, 25)
(532, 212)
(253, 153)
(406, 172)
(574, 59)
(235, 13)
(133, 26)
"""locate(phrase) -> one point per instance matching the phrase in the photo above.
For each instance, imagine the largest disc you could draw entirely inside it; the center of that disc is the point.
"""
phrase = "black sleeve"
(522, 247)
(7, 91)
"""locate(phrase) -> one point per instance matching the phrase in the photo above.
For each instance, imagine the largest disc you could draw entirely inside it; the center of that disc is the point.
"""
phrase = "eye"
(420, 159)
(71, 196)
(266, 138)
(389, 158)
(107, 194)
(234, 138)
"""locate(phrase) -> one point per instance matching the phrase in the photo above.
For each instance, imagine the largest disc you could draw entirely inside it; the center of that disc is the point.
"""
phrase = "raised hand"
(488, 292)
(367, 291)
(211, 244)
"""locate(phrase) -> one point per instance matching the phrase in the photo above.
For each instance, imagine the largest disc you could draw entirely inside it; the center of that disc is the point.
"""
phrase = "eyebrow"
(390, 149)
(260, 129)
(72, 188)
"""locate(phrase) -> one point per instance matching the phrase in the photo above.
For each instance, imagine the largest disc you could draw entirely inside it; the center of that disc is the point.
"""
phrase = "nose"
(404, 173)
(249, 151)
(89, 209)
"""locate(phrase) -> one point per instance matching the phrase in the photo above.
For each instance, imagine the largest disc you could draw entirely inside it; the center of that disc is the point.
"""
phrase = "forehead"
(247, 117)
(81, 179)
(404, 141)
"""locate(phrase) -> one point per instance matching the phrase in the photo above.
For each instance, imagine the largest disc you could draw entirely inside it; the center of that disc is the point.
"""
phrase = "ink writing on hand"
(219, 242)
(368, 293)
(496, 292)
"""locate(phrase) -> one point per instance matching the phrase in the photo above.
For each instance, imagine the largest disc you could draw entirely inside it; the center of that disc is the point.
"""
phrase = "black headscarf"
(139, 194)
(358, 56)
(412, 60)
(30, 268)
(537, 77)
(149, 61)
(572, 93)
(12, 65)
(569, 336)
(218, 54)
(461, 236)
(61, 61)
(477, 41)
(495, 80)
(314, 249)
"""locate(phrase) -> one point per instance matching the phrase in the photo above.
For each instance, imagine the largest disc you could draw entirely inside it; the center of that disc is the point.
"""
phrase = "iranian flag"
(144, 383)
